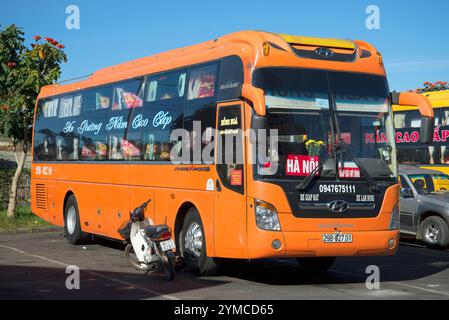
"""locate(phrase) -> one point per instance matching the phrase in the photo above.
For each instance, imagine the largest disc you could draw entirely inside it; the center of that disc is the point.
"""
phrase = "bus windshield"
(315, 110)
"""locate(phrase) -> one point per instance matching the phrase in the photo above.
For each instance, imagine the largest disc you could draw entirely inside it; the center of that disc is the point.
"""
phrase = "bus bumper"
(269, 244)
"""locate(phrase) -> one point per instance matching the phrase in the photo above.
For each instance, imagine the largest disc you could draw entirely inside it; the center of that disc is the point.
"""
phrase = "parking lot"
(34, 266)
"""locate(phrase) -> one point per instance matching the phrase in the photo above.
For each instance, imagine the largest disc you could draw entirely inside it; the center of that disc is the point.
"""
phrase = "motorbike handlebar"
(138, 214)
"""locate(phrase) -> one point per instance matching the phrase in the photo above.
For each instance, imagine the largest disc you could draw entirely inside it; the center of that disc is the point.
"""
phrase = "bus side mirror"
(426, 130)
(256, 96)
(425, 109)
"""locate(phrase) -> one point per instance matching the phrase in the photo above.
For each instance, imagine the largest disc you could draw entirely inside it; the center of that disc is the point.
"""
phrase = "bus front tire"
(435, 232)
(72, 225)
(316, 265)
(193, 245)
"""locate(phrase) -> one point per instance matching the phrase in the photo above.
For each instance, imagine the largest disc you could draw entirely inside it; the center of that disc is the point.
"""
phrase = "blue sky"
(413, 36)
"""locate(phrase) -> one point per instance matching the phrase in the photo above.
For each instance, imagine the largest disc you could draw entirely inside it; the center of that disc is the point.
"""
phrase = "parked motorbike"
(149, 247)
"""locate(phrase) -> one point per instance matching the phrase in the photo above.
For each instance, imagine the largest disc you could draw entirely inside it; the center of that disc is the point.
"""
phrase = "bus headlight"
(394, 220)
(266, 216)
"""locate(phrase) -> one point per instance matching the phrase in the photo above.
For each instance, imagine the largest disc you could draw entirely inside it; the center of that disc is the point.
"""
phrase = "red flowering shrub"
(429, 86)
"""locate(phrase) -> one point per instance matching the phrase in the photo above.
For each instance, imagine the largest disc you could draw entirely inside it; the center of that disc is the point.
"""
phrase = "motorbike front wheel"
(169, 267)
(131, 257)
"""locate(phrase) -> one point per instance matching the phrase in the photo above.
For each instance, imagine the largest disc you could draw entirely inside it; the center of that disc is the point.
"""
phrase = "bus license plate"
(167, 245)
(337, 238)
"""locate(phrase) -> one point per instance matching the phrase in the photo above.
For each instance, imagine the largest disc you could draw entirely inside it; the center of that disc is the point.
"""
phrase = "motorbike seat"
(152, 231)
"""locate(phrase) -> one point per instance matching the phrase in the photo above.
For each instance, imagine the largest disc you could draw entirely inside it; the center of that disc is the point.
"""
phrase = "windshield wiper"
(343, 148)
(308, 179)
(317, 171)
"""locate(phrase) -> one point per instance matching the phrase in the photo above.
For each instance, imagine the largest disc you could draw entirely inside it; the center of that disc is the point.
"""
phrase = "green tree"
(24, 70)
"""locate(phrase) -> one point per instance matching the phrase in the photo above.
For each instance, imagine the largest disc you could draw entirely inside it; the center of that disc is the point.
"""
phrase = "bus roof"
(438, 99)
(249, 46)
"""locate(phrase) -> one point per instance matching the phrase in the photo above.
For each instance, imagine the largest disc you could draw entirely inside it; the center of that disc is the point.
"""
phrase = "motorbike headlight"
(266, 216)
(394, 220)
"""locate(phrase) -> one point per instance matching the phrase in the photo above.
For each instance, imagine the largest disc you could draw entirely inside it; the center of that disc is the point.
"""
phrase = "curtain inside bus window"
(50, 108)
(168, 87)
(126, 95)
(202, 82)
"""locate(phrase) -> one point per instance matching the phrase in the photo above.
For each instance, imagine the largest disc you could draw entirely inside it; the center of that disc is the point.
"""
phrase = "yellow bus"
(407, 121)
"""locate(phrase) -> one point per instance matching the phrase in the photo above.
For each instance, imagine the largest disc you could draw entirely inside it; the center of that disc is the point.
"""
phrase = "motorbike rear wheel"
(169, 267)
(132, 259)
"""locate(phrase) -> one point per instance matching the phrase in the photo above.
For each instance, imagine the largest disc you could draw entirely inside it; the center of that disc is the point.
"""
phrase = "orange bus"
(251, 145)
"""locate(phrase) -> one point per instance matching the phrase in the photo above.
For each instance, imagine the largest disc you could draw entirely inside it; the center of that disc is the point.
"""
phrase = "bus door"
(230, 198)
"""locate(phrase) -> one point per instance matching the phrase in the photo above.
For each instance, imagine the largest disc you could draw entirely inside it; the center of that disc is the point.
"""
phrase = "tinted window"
(126, 120)
(50, 108)
(44, 133)
(201, 109)
(409, 150)
(97, 98)
(126, 95)
(127, 102)
(231, 79)
(70, 105)
(166, 87)
(230, 148)
(162, 113)
(91, 126)
(202, 82)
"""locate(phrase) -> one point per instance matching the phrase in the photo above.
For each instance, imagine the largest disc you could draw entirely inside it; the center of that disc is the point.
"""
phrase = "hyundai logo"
(338, 206)
(325, 52)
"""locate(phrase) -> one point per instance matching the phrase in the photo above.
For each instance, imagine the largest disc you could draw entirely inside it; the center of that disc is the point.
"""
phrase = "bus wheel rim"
(71, 220)
(194, 240)
(432, 233)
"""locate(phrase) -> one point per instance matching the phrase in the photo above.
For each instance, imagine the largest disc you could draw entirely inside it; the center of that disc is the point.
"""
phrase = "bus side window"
(163, 108)
(50, 108)
(92, 143)
(201, 110)
(70, 105)
(126, 143)
(202, 82)
(166, 88)
(126, 95)
(44, 130)
(98, 98)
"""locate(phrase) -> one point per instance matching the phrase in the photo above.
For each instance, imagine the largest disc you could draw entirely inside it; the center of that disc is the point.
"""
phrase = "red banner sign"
(301, 166)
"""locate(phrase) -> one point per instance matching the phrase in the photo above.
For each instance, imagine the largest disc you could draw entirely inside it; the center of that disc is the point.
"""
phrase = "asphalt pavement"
(34, 266)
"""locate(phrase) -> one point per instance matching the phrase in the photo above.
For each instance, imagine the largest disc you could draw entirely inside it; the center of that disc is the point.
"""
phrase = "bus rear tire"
(193, 245)
(316, 265)
(72, 225)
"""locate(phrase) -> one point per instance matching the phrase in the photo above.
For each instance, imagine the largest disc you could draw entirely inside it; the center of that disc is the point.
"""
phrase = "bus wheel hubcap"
(71, 220)
(194, 240)
(432, 233)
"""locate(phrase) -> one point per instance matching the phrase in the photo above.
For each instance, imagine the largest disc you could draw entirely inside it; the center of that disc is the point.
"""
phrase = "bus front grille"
(41, 197)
